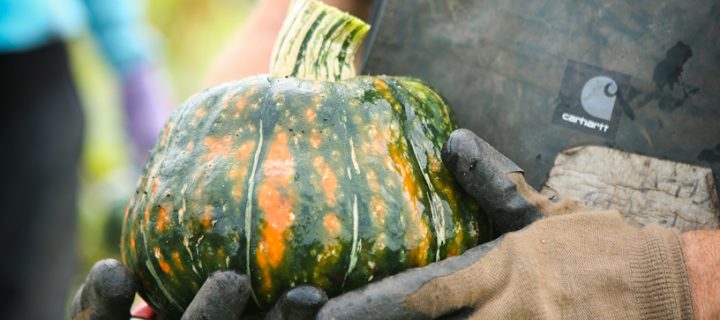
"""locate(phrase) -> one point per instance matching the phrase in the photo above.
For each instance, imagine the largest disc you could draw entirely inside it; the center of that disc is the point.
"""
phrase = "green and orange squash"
(310, 175)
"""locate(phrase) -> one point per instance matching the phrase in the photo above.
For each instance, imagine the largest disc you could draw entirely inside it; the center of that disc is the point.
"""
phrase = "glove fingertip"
(223, 296)
(110, 279)
(448, 154)
(76, 305)
(107, 292)
(302, 302)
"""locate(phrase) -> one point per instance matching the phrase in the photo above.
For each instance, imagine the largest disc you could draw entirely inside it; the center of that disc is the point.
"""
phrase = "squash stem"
(317, 42)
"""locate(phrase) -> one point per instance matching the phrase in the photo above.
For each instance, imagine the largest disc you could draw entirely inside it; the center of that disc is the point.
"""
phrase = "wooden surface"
(644, 189)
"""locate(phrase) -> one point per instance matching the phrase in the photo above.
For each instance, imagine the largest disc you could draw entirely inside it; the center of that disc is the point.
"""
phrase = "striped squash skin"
(292, 182)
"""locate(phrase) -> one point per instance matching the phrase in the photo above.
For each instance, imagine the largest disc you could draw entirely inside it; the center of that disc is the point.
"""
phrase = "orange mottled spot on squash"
(385, 92)
(163, 219)
(381, 85)
(132, 242)
(315, 140)
(207, 217)
(164, 266)
(453, 248)
(146, 214)
(452, 251)
(243, 152)
(218, 147)
(310, 115)
(328, 178)
(177, 262)
(372, 181)
(447, 191)
(165, 135)
(165, 132)
(379, 142)
(434, 164)
(264, 265)
(240, 103)
(226, 100)
(377, 211)
(155, 185)
(275, 198)
(405, 169)
(199, 114)
(332, 224)
(419, 254)
(419, 240)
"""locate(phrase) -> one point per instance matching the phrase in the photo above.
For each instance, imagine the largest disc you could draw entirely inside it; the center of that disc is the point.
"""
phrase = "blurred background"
(190, 34)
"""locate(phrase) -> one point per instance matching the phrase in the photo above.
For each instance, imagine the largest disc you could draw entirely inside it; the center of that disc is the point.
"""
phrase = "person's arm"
(702, 257)
(122, 33)
(130, 47)
(248, 53)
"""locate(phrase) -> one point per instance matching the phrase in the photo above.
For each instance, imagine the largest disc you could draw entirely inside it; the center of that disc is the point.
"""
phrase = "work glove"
(572, 263)
(146, 102)
(109, 290)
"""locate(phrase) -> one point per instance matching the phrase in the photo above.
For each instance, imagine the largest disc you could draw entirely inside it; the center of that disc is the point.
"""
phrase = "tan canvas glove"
(571, 263)
(588, 265)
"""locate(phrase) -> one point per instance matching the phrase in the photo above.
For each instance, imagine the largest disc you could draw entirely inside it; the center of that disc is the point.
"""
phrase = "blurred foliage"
(192, 32)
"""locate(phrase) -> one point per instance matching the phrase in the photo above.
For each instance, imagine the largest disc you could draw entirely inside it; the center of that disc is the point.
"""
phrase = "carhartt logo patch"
(588, 99)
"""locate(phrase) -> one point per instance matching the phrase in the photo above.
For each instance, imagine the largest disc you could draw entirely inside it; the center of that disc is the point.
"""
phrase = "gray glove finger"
(385, 299)
(299, 303)
(107, 293)
(483, 172)
(76, 305)
(222, 297)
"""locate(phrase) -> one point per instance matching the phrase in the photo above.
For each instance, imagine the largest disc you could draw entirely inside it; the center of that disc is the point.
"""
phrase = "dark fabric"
(41, 127)
(512, 68)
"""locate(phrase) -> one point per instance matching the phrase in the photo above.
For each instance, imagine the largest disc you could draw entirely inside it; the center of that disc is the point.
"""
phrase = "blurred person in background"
(254, 42)
(41, 131)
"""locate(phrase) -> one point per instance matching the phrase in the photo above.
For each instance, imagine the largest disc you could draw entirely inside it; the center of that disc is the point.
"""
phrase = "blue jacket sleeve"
(122, 32)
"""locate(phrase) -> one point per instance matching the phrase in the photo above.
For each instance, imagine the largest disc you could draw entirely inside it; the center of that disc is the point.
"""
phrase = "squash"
(311, 175)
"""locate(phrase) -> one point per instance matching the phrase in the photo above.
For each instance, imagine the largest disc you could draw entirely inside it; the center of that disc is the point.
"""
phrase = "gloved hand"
(109, 289)
(146, 103)
(584, 265)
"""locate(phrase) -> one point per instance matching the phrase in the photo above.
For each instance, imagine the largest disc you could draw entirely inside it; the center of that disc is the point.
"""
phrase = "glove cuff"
(659, 275)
